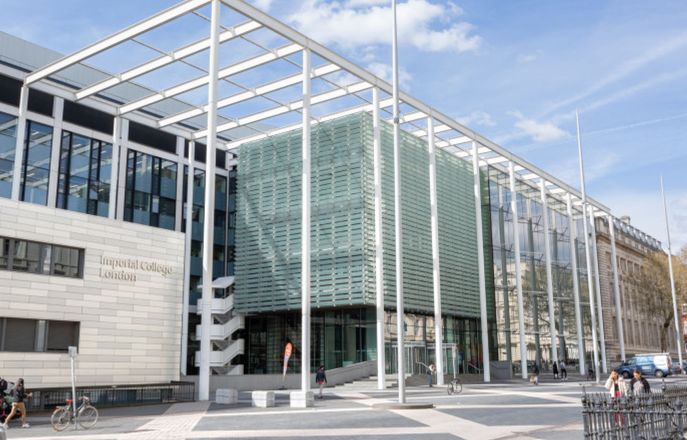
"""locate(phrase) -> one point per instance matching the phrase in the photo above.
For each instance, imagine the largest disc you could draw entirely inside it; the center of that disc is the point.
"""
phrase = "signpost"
(72, 357)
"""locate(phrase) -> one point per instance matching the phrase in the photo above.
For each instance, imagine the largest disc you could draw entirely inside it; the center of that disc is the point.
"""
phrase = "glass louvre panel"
(36, 163)
(269, 213)
(8, 139)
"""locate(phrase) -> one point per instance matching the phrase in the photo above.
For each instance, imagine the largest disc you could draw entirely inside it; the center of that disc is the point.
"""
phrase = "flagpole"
(400, 327)
(672, 277)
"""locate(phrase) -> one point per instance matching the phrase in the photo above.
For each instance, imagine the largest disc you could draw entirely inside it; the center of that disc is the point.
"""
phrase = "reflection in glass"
(8, 136)
(150, 190)
(34, 187)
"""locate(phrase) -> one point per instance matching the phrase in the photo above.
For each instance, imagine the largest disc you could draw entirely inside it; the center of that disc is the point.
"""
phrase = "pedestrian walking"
(430, 371)
(321, 379)
(554, 368)
(564, 372)
(615, 384)
(638, 384)
(19, 394)
(535, 375)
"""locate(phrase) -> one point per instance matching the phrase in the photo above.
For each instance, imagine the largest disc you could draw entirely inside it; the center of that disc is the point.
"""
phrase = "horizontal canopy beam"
(249, 94)
(203, 80)
(131, 32)
(165, 60)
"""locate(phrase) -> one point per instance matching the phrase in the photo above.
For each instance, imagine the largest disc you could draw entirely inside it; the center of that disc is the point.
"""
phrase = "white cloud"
(265, 5)
(367, 22)
(477, 117)
(526, 58)
(384, 71)
(538, 131)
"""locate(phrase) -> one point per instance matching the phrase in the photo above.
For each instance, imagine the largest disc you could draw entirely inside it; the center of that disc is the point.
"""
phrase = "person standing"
(321, 379)
(562, 368)
(615, 384)
(554, 368)
(535, 374)
(430, 371)
(20, 395)
(638, 384)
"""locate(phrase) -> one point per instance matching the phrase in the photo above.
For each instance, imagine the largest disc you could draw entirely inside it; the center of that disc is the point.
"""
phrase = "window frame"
(51, 260)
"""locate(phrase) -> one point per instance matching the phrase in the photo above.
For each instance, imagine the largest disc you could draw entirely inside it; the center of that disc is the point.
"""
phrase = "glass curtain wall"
(150, 190)
(8, 137)
(84, 177)
(530, 228)
(36, 166)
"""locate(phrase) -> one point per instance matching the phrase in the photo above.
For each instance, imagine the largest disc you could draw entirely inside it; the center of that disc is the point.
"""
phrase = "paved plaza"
(550, 411)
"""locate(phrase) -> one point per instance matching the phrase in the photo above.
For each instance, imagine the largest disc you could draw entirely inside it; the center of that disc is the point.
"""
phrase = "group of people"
(617, 386)
(559, 370)
(18, 395)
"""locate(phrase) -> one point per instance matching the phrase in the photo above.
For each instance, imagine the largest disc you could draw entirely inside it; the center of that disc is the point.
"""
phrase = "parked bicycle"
(454, 386)
(63, 416)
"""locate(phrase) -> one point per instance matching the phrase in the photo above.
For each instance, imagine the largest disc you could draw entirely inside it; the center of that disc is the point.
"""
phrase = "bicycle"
(63, 416)
(454, 386)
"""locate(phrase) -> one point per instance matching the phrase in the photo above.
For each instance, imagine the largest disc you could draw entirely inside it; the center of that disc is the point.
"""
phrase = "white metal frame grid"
(417, 117)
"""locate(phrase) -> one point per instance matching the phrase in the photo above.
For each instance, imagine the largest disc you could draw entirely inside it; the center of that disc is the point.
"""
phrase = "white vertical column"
(679, 340)
(518, 274)
(114, 168)
(576, 285)
(549, 273)
(616, 288)
(55, 151)
(436, 274)
(480, 265)
(305, 229)
(123, 165)
(19, 145)
(178, 218)
(400, 312)
(209, 218)
(188, 236)
(587, 250)
(597, 283)
(379, 246)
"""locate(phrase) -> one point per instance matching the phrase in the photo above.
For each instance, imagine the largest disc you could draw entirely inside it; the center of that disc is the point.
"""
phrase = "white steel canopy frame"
(229, 120)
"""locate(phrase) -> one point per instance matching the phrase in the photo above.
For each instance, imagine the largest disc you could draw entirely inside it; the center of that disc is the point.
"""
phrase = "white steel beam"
(437, 129)
(305, 229)
(597, 283)
(209, 217)
(555, 356)
(165, 60)
(130, 32)
(19, 144)
(480, 265)
(436, 274)
(249, 94)
(201, 81)
(187, 256)
(114, 167)
(518, 274)
(457, 141)
(379, 245)
(576, 286)
(296, 105)
(616, 289)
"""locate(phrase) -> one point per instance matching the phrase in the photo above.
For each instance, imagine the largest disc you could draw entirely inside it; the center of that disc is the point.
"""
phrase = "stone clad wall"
(130, 314)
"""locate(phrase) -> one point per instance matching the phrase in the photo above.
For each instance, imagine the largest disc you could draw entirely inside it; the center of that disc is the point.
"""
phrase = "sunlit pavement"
(550, 411)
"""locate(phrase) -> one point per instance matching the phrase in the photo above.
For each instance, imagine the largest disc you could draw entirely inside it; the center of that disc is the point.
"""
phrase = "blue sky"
(515, 71)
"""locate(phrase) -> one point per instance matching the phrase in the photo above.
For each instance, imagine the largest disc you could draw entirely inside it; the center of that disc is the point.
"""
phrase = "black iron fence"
(116, 395)
(657, 415)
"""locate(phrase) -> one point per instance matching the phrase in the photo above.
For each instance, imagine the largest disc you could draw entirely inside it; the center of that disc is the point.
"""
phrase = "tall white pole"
(305, 230)
(436, 278)
(480, 265)
(616, 288)
(114, 166)
(549, 273)
(576, 285)
(672, 277)
(379, 245)
(587, 251)
(597, 283)
(518, 274)
(400, 327)
(187, 255)
(19, 144)
(209, 219)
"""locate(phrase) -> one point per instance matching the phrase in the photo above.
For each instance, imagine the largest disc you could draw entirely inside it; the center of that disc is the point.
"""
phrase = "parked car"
(656, 364)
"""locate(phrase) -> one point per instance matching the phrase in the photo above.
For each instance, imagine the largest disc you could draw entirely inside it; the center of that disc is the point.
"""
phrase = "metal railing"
(656, 415)
(114, 395)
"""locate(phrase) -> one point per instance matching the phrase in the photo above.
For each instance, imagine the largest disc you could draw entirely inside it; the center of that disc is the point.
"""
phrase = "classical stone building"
(641, 329)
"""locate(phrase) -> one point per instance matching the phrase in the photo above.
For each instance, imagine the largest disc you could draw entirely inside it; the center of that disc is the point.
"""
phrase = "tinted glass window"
(66, 261)
(62, 334)
(4, 252)
(150, 190)
(8, 136)
(28, 256)
(40, 258)
(36, 163)
(20, 334)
